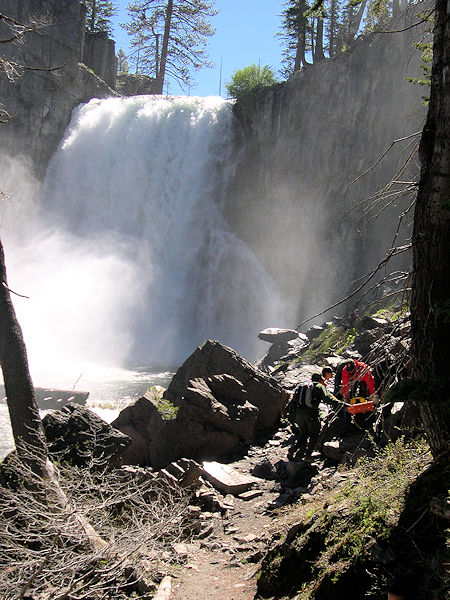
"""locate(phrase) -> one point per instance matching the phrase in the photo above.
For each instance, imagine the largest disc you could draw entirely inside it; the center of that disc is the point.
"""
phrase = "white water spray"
(128, 259)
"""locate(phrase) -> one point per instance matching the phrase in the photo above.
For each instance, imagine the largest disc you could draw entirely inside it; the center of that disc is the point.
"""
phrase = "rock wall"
(40, 102)
(99, 54)
(135, 85)
(305, 150)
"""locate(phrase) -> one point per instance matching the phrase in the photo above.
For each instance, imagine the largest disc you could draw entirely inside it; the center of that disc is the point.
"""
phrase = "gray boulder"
(275, 335)
(365, 340)
(78, 436)
(214, 359)
(314, 332)
(219, 400)
(367, 322)
(140, 421)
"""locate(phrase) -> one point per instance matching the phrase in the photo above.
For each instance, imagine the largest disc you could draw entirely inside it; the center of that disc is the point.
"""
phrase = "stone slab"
(250, 494)
(274, 335)
(227, 479)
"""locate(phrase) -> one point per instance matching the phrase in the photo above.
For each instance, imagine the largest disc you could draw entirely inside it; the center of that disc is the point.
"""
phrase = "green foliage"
(331, 339)
(99, 13)
(122, 62)
(335, 535)
(426, 49)
(379, 13)
(247, 82)
(187, 27)
(166, 409)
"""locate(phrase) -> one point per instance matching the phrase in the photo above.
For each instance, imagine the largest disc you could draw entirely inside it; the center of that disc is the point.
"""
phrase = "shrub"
(247, 82)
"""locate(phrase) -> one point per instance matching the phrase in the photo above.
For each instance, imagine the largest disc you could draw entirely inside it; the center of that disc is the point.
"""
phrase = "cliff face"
(308, 142)
(40, 102)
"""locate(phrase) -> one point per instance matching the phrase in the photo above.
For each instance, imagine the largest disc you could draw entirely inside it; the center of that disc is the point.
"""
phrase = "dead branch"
(45, 553)
(12, 292)
(391, 252)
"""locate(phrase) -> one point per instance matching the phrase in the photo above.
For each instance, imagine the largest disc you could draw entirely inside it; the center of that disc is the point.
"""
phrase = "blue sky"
(245, 34)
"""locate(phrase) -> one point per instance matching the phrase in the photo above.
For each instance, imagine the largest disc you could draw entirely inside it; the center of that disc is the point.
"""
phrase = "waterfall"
(127, 258)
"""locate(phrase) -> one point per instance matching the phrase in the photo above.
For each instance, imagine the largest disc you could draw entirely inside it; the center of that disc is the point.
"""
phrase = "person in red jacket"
(357, 380)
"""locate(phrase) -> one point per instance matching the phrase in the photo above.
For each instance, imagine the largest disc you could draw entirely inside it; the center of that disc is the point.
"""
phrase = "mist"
(123, 251)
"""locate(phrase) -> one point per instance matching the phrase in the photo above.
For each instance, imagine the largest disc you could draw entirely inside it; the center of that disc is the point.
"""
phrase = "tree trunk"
(355, 22)
(93, 16)
(23, 410)
(165, 45)
(318, 53)
(430, 309)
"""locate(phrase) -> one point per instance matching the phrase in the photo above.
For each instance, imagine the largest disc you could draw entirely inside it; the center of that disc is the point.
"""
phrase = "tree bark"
(23, 410)
(318, 52)
(430, 308)
(164, 50)
(93, 16)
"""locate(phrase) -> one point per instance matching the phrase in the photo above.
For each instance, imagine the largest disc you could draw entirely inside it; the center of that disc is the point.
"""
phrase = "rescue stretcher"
(359, 405)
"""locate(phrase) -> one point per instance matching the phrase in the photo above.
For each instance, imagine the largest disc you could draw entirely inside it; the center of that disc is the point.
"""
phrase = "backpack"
(302, 398)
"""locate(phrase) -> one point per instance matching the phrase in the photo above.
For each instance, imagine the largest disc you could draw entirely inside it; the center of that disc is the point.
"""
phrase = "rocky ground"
(216, 431)
(222, 561)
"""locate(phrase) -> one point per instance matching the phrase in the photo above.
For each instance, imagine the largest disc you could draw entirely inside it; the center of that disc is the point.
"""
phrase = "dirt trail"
(223, 564)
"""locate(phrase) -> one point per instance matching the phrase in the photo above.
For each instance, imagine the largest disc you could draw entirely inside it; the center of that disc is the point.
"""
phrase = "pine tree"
(168, 38)
(332, 8)
(122, 62)
(296, 35)
(99, 13)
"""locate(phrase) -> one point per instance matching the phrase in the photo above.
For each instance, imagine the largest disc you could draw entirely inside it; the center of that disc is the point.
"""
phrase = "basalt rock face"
(303, 152)
(40, 102)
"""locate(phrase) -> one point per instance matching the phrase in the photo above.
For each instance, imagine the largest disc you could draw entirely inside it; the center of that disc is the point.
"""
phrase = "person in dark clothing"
(307, 419)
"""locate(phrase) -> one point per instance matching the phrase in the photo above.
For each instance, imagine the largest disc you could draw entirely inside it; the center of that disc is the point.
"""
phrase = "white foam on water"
(126, 257)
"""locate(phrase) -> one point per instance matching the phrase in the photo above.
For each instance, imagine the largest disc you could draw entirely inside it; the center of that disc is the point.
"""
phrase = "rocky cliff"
(40, 102)
(304, 152)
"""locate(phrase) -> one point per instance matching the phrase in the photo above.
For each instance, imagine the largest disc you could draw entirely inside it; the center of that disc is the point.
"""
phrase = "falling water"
(127, 258)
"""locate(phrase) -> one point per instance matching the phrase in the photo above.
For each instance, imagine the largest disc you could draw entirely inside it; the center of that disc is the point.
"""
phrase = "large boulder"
(218, 401)
(140, 421)
(78, 436)
(214, 359)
